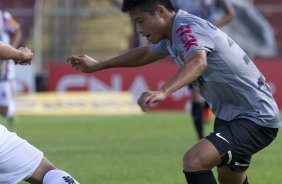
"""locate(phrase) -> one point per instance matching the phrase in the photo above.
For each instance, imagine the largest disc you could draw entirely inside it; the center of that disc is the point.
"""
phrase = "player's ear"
(160, 10)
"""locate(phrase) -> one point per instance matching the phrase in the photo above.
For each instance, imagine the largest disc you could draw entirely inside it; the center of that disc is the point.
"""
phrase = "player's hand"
(150, 98)
(25, 56)
(83, 63)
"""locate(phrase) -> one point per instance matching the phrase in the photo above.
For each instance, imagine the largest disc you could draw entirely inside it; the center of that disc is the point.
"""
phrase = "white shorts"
(18, 158)
(6, 93)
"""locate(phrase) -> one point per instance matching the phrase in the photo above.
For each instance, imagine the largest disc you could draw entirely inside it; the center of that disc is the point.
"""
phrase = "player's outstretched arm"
(135, 57)
(22, 56)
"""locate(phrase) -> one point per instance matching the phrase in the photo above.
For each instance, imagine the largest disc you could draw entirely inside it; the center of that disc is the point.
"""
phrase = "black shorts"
(238, 140)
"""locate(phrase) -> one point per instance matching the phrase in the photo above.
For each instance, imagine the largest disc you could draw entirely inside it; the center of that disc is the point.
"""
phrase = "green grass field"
(144, 149)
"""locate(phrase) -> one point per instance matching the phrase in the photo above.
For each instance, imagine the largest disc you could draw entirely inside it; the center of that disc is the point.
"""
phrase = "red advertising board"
(137, 80)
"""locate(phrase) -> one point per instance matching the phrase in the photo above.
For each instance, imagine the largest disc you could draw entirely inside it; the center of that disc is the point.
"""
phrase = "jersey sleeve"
(193, 36)
(11, 24)
(160, 48)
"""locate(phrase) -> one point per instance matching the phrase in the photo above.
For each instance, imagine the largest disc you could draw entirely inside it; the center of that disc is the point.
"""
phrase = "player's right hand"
(149, 99)
(83, 63)
(25, 56)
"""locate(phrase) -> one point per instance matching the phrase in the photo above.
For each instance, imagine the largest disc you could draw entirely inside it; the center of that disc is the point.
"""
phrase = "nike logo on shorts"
(218, 135)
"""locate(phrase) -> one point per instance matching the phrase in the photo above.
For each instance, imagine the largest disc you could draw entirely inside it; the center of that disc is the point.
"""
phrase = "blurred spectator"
(251, 30)
(219, 12)
(10, 33)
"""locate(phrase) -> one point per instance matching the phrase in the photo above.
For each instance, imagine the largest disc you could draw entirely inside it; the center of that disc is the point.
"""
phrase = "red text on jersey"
(186, 37)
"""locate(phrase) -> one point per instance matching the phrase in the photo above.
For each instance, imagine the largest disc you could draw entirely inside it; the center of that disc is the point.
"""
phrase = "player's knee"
(58, 177)
(193, 162)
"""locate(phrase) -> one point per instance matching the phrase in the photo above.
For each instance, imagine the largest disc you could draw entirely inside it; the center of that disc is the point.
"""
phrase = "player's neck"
(170, 26)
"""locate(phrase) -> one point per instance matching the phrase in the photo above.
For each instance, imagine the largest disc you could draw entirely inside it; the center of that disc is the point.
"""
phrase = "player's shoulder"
(184, 19)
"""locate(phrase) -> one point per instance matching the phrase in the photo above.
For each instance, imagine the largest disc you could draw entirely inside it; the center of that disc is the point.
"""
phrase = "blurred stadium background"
(133, 148)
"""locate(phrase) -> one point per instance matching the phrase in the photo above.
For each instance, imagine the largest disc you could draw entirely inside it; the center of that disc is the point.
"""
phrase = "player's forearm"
(9, 52)
(133, 58)
(187, 74)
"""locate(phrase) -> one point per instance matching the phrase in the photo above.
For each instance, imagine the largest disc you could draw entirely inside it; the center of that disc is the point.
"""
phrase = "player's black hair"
(145, 5)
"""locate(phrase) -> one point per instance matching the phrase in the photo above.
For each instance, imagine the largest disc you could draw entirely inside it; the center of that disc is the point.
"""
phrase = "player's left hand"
(25, 56)
(150, 98)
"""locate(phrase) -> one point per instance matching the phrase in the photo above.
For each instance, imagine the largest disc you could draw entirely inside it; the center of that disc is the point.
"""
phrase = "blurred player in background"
(20, 160)
(220, 13)
(10, 33)
(247, 116)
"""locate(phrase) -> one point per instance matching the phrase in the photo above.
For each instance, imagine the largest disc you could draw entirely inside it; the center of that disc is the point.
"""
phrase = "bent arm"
(194, 66)
(17, 37)
(229, 14)
(228, 17)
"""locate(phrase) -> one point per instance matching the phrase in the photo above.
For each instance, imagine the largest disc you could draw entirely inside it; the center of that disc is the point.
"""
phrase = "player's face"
(153, 27)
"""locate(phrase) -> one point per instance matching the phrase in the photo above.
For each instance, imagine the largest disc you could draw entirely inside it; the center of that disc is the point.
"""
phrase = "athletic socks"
(58, 177)
(197, 113)
(200, 177)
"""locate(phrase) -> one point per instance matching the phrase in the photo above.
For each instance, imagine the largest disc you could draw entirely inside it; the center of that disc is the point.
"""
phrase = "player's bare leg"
(227, 176)
(198, 162)
(201, 156)
(41, 170)
(47, 173)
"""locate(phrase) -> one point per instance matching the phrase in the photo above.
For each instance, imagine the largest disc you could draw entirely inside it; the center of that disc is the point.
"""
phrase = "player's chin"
(153, 41)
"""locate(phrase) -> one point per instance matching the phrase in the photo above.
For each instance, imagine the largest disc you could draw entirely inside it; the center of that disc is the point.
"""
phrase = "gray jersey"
(231, 84)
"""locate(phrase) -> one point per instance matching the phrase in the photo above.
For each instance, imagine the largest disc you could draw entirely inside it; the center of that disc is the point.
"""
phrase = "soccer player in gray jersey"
(247, 117)
(220, 13)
